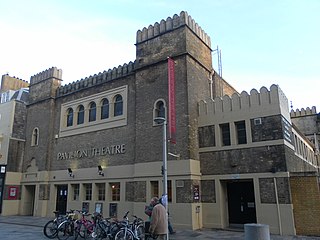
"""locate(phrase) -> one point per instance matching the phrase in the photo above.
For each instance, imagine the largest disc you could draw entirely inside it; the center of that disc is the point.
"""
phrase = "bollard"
(253, 231)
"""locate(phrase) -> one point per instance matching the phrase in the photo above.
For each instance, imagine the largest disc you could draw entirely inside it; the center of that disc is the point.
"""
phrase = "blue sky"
(263, 42)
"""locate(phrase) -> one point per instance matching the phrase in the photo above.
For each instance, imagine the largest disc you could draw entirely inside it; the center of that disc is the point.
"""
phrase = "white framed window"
(103, 110)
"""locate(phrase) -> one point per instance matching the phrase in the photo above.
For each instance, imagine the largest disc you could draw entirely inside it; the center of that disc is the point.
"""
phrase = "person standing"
(159, 221)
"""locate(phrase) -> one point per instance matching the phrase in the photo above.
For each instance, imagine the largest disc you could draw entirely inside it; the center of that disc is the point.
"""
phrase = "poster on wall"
(85, 207)
(98, 208)
(13, 192)
(113, 209)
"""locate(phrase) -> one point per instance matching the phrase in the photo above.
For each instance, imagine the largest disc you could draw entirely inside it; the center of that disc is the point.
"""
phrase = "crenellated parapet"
(46, 74)
(12, 83)
(171, 24)
(303, 112)
(90, 81)
(261, 103)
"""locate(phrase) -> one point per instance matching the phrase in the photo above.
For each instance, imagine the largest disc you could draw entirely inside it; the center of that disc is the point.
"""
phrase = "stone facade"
(273, 149)
(74, 155)
(307, 208)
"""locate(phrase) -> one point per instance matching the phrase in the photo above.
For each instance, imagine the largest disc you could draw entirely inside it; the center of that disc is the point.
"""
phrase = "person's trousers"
(162, 237)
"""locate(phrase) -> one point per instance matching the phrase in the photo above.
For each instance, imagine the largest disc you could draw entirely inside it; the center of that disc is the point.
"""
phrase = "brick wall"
(306, 208)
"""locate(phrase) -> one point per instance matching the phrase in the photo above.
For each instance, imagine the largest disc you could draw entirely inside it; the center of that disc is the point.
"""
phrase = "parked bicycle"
(67, 227)
(85, 227)
(105, 228)
(50, 229)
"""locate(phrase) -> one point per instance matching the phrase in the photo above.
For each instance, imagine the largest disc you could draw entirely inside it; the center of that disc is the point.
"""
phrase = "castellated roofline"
(48, 73)
(170, 24)
(90, 81)
(303, 112)
(7, 74)
(261, 103)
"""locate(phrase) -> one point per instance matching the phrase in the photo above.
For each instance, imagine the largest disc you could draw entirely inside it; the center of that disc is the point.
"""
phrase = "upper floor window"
(118, 105)
(105, 108)
(80, 118)
(69, 117)
(35, 137)
(225, 134)
(241, 132)
(92, 111)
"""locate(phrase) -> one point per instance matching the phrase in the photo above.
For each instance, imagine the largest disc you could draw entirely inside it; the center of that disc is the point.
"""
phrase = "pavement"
(181, 234)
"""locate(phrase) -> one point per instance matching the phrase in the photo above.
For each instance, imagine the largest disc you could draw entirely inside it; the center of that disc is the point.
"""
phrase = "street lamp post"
(163, 122)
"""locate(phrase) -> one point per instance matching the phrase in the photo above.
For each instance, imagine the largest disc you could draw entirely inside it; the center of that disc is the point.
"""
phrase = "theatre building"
(93, 144)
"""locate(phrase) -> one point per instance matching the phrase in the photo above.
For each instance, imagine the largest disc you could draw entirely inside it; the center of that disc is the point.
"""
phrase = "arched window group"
(94, 108)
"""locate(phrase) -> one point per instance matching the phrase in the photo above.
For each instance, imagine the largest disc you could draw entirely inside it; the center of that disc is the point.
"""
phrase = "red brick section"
(306, 204)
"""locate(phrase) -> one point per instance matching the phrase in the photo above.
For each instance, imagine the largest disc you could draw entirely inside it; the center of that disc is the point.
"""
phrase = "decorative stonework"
(170, 24)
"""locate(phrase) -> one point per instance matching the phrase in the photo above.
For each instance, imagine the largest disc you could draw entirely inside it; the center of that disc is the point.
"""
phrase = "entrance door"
(62, 196)
(241, 203)
(30, 192)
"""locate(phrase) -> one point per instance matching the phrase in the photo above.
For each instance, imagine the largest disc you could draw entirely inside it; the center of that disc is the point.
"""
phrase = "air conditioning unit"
(257, 121)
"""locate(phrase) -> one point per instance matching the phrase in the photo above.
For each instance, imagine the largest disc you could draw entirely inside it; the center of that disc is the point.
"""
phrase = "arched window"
(160, 110)
(92, 111)
(35, 137)
(69, 117)
(105, 109)
(80, 117)
(118, 105)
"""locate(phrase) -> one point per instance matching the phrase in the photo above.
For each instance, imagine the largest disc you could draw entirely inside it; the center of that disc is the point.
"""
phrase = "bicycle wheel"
(85, 232)
(50, 229)
(141, 232)
(124, 234)
(65, 230)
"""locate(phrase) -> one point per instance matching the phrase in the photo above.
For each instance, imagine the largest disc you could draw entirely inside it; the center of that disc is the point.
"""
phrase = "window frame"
(101, 191)
(80, 114)
(241, 132)
(118, 105)
(35, 137)
(225, 134)
(92, 111)
(105, 108)
(87, 191)
(115, 193)
(70, 115)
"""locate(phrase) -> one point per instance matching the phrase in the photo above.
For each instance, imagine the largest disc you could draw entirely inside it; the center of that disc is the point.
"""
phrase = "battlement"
(303, 112)
(90, 81)
(12, 83)
(49, 73)
(260, 103)
(171, 24)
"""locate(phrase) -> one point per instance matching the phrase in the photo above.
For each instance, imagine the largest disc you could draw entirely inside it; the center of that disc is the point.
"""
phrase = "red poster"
(172, 102)
(13, 193)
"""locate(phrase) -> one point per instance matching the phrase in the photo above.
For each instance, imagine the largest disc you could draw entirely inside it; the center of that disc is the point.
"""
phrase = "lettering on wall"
(92, 152)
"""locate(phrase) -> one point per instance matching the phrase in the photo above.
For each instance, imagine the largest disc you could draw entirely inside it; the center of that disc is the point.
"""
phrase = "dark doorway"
(30, 193)
(241, 202)
(62, 197)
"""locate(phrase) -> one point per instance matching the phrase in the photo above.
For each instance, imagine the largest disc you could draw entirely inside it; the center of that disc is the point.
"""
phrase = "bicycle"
(50, 229)
(104, 228)
(67, 227)
(137, 227)
(125, 233)
(84, 227)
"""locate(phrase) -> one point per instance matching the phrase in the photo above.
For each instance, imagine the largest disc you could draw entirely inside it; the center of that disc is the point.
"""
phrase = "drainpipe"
(278, 207)
(211, 83)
